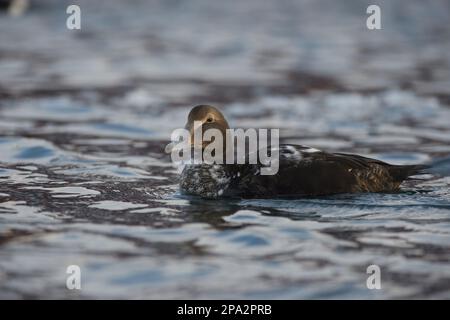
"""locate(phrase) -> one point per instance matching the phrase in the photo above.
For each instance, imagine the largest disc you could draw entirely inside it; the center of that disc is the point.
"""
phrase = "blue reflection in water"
(34, 152)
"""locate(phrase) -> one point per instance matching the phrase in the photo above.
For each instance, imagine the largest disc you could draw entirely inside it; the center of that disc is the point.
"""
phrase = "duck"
(303, 171)
(14, 7)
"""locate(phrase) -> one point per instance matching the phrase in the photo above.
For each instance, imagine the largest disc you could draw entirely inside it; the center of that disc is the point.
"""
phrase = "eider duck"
(303, 171)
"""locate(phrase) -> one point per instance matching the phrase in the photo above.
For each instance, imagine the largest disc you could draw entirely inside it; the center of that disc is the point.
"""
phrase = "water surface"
(85, 117)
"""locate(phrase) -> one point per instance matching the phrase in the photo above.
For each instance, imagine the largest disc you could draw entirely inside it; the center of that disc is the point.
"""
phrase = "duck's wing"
(308, 171)
(398, 173)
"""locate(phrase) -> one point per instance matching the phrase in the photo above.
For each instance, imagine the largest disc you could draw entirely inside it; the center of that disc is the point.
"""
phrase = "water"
(85, 117)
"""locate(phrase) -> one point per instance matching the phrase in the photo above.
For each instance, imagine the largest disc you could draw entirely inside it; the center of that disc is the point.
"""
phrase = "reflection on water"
(84, 179)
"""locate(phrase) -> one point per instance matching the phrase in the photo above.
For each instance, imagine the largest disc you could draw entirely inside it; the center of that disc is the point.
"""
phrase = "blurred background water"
(85, 116)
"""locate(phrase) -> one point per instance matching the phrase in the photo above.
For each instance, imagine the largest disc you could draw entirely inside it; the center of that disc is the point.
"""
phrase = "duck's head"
(205, 117)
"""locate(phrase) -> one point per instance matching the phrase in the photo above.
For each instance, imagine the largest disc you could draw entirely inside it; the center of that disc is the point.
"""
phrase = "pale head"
(209, 117)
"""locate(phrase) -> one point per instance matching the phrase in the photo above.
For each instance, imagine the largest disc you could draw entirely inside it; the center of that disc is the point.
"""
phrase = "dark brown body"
(326, 174)
(304, 174)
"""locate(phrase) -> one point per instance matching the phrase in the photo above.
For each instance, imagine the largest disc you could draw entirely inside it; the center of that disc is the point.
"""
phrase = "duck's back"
(303, 171)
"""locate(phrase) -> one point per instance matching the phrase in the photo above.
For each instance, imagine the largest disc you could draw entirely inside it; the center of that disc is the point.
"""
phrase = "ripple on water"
(67, 192)
(116, 205)
(23, 150)
(83, 179)
(53, 109)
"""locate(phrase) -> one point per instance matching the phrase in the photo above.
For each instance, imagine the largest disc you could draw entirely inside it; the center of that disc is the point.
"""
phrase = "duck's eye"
(209, 120)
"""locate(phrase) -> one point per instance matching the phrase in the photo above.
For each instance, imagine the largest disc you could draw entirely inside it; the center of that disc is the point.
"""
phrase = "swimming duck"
(303, 171)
